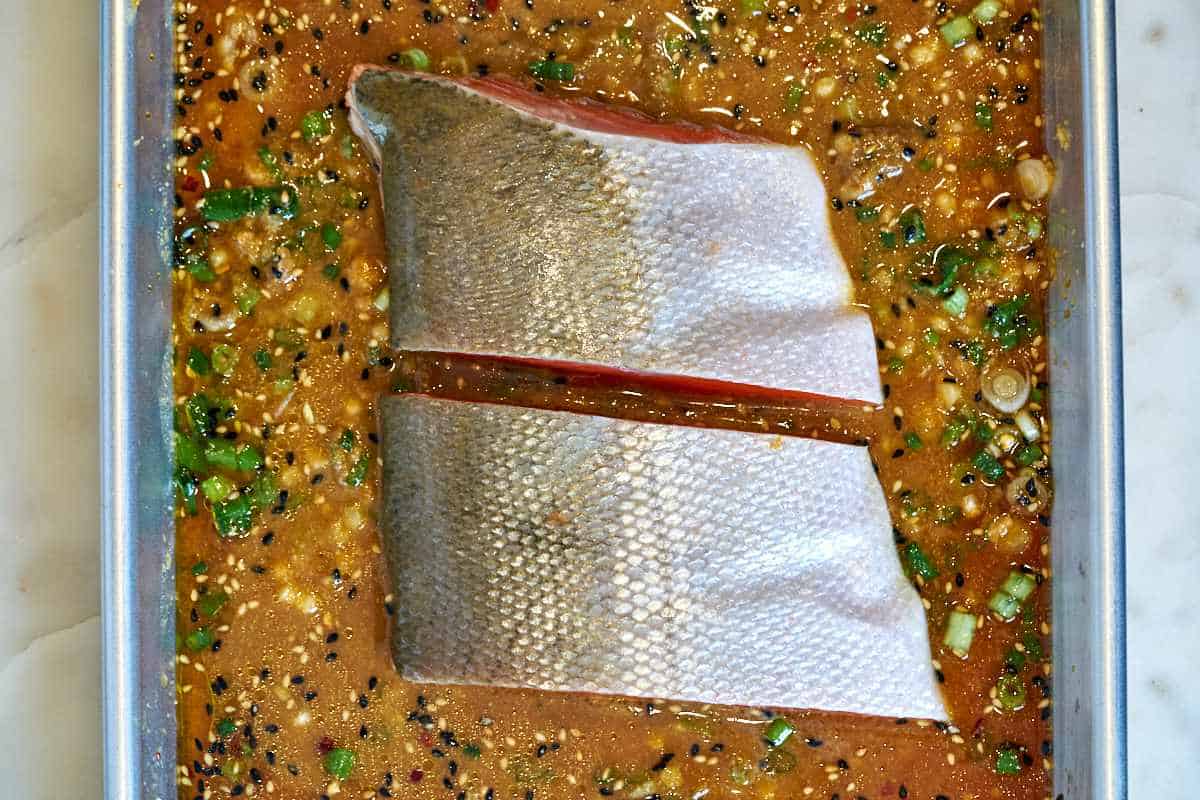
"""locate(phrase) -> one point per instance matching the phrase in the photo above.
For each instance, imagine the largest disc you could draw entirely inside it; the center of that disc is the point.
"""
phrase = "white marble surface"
(49, 546)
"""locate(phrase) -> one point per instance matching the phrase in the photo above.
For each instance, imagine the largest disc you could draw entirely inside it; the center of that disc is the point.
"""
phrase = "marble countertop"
(49, 501)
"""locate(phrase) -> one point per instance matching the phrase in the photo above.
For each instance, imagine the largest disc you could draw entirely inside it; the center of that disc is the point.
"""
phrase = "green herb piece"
(931, 337)
(339, 762)
(331, 236)
(199, 568)
(206, 162)
(552, 70)
(262, 491)
(896, 365)
(887, 239)
(987, 464)
(874, 33)
(331, 271)
(752, 8)
(1005, 606)
(358, 473)
(471, 750)
(882, 80)
(198, 639)
(225, 358)
(954, 432)
(198, 362)
(227, 205)
(912, 226)
(912, 441)
(226, 727)
(957, 31)
(1020, 585)
(919, 563)
(315, 125)
(289, 339)
(983, 116)
(1014, 660)
(221, 453)
(347, 439)
(1010, 691)
(263, 360)
(778, 731)
(216, 487)
(1008, 761)
(212, 602)
(960, 631)
(974, 352)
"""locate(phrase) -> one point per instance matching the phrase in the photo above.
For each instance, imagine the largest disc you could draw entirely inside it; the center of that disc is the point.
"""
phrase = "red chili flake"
(491, 5)
(416, 775)
(425, 738)
(324, 745)
(191, 183)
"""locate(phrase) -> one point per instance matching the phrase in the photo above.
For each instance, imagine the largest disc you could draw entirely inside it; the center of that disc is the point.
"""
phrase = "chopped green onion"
(778, 731)
(216, 487)
(188, 488)
(1008, 761)
(198, 362)
(471, 750)
(983, 116)
(912, 441)
(1005, 605)
(331, 236)
(794, 97)
(957, 31)
(416, 58)
(1014, 659)
(1008, 323)
(246, 298)
(234, 517)
(221, 453)
(974, 352)
(315, 125)
(199, 269)
(956, 304)
(987, 464)
(226, 205)
(1010, 691)
(263, 360)
(262, 492)
(552, 70)
(918, 562)
(206, 162)
(331, 271)
(912, 225)
(198, 639)
(212, 602)
(986, 11)
(199, 568)
(896, 365)
(225, 358)
(270, 162)
(887, 239)
(875, 33)
(753, 7)
(1028, 455)
(226, 727)
(954, 432)
(931, 337)
(339, 762)
(960, 631)
(289, 339)
(347, 439)
(866, 213)
(1020, 585)
(248, 458)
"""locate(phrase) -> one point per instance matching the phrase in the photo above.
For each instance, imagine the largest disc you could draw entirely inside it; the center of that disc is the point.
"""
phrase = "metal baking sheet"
(1085, 329)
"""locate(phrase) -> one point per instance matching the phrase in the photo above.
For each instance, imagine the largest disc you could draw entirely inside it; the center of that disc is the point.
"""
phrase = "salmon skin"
(569, 552)
(530, 227)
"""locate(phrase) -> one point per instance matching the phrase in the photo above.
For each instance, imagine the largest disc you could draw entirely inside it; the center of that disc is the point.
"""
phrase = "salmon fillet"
(570, 552)
(527, 227)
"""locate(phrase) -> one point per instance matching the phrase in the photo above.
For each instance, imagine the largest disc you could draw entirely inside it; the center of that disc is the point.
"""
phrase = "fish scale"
(571, 552)
(521, 226)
